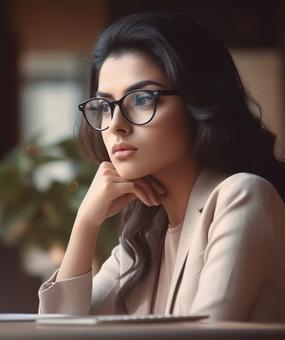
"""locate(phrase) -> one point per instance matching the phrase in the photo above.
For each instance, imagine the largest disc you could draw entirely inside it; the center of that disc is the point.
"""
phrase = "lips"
(122, 147)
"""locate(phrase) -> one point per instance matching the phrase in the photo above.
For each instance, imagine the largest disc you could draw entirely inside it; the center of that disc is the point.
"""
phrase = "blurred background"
(45, 46)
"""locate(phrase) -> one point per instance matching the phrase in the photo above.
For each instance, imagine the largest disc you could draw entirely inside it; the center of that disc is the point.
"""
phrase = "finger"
(149, 190)
(142, 191)
(121, 202)
(155, 183)
(133, 188)
(109, 172)
(107, 165)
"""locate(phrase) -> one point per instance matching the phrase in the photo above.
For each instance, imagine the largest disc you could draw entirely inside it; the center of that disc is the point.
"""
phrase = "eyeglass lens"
(138, 107)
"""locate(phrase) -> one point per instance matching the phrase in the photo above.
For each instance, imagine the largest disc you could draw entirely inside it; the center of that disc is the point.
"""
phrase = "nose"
(118, 123)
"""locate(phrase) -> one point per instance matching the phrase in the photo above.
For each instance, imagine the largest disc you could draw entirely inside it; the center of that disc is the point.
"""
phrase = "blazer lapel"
(203, 186)
(191, 220)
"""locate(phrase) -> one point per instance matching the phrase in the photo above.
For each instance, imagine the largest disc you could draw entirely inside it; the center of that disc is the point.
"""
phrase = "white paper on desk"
(98, 319)
(27, 316)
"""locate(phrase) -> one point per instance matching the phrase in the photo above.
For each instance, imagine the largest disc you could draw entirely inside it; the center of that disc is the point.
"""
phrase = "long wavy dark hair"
(228, 135)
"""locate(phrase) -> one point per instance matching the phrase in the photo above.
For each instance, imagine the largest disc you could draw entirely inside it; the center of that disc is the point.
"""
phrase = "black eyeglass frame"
(112, 104)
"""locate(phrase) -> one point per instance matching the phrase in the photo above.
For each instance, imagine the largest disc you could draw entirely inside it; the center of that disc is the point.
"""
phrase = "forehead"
(120, 72)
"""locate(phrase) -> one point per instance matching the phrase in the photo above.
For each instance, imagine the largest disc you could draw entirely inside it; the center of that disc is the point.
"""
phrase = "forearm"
(80, 251)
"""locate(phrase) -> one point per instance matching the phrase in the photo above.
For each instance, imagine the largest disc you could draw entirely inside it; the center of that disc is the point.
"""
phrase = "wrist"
(87, 225)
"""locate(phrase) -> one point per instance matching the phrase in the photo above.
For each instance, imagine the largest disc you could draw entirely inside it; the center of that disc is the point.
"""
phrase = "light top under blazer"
(230, 262)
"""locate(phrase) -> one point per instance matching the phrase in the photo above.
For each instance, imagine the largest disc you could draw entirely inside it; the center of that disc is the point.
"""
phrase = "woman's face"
(161, 143)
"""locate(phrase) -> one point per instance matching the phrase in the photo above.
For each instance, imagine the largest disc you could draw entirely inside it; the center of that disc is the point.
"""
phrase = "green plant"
(42, 216)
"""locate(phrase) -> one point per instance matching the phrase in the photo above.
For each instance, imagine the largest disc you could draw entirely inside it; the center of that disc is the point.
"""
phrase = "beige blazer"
(230, 263)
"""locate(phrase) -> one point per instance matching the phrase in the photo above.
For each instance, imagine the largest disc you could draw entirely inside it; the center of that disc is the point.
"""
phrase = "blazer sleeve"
(83, 294)
(243, 242)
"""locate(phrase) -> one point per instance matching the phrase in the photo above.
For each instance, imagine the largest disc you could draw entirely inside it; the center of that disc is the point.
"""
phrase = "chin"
(130, 172)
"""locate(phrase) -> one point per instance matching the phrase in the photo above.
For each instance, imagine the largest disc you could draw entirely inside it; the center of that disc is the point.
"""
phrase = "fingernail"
(162, 190)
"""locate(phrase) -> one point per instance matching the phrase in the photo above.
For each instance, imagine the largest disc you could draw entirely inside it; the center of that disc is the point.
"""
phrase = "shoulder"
(217, 187)
(248, 186)
(245, 201)
(246, 177)
(244, 197)
(245, 210)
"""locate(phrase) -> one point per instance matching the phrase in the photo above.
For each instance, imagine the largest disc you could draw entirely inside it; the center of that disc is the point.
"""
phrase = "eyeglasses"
(137, 106)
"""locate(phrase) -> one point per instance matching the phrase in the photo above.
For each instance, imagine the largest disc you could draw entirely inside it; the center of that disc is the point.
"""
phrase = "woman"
(192, 171)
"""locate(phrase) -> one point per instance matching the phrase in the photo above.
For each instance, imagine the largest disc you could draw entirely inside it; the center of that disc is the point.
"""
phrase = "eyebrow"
(135, 86)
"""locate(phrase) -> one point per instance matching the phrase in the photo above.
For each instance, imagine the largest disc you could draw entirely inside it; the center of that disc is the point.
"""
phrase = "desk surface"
(182, 330)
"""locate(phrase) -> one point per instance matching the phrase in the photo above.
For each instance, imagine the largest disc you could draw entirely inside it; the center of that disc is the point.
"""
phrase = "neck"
(178, 179)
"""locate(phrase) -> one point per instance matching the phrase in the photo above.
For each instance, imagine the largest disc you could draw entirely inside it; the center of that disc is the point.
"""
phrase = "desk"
(202, 330)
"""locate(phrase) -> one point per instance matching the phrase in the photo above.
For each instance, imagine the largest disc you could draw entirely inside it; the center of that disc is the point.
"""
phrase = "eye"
(98, 107)
(94, 108)
(143, 99)
(104, 107)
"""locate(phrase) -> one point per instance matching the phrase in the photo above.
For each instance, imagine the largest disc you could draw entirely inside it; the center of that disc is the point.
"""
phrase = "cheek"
(175, 132)
(107, 144)
(161, 143)
(173, 144)
(166, 144)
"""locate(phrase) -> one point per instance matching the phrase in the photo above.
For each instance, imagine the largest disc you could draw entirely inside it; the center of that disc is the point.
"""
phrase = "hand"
(109, 193)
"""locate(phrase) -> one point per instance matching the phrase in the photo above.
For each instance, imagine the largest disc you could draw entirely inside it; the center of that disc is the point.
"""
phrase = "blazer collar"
(202, 188)
(205, 183)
